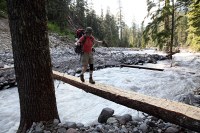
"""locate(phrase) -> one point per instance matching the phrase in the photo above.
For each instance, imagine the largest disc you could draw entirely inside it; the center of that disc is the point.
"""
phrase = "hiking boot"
(91, 80)
(82, 78)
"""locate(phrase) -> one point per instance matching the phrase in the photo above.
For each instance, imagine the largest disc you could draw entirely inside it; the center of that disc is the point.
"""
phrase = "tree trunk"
(32, 63)
(167, 27)
(172, 31)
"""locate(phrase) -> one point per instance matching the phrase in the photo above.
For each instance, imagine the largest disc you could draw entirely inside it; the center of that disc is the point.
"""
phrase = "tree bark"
(172, 31)
(167, 26)
(32, 62)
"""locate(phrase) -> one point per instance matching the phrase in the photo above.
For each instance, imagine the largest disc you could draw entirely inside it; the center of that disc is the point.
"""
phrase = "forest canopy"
(173, 23)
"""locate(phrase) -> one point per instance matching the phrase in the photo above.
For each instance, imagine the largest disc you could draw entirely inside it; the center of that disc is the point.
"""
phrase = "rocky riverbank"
(65, 60)
(109, 123)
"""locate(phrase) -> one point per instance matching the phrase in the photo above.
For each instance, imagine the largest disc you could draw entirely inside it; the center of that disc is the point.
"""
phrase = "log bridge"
(178, 113)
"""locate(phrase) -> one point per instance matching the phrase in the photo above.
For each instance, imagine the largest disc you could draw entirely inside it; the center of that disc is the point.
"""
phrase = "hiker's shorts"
(87, 58)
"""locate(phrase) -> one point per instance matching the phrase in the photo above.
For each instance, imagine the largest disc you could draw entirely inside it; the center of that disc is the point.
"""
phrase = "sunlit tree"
(194, 25)
(166, 16)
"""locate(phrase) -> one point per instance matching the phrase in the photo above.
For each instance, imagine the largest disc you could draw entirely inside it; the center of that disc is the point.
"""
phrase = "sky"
(76, 105)
(131, 9)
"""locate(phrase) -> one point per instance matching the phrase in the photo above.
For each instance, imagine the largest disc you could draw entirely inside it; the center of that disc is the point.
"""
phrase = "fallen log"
(148, 68)
(178, 113)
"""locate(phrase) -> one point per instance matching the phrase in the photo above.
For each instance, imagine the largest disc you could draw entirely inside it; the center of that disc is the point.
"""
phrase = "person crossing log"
(178, 113)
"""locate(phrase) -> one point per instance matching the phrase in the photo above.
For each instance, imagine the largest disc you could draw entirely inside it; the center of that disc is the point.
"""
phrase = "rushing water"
(78, 106)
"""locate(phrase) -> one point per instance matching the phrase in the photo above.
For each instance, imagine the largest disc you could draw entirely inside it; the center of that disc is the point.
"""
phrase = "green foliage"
(194, 26)
(56, 12)
(194, 18)
(81, 6)
(135, 38)
(181, 30)
(3, 9)
(3, 14)
(195, 43)
(55, 28)
(160, 29)
(3, 5)
(109, 30)
(66, 16)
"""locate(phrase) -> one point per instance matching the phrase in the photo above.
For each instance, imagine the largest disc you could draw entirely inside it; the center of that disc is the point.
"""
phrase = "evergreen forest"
(173, 24)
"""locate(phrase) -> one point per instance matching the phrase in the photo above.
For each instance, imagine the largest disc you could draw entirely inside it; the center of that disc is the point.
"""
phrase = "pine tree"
(80, 12)
(111, 29)
(194, 25)
(159, 29)
(181, 30)
(57, 12)
(165, 20)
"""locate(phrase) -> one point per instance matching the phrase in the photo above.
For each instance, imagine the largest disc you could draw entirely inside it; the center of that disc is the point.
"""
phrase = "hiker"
(87, 41)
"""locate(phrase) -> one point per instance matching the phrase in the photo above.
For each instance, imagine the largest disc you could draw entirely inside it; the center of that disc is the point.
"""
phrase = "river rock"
(112, 121)
(105, 114)
(172, 130)
(71, 130)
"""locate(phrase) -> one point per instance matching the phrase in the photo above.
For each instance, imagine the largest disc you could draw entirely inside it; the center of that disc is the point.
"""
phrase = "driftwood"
(178, 113)
(148, 68)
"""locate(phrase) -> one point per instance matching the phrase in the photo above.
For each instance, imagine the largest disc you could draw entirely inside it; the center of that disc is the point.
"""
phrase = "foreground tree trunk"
(28, 26)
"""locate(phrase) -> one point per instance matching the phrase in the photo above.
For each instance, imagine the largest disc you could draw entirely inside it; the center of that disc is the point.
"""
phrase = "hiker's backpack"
(78, 48)
(79, 33)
